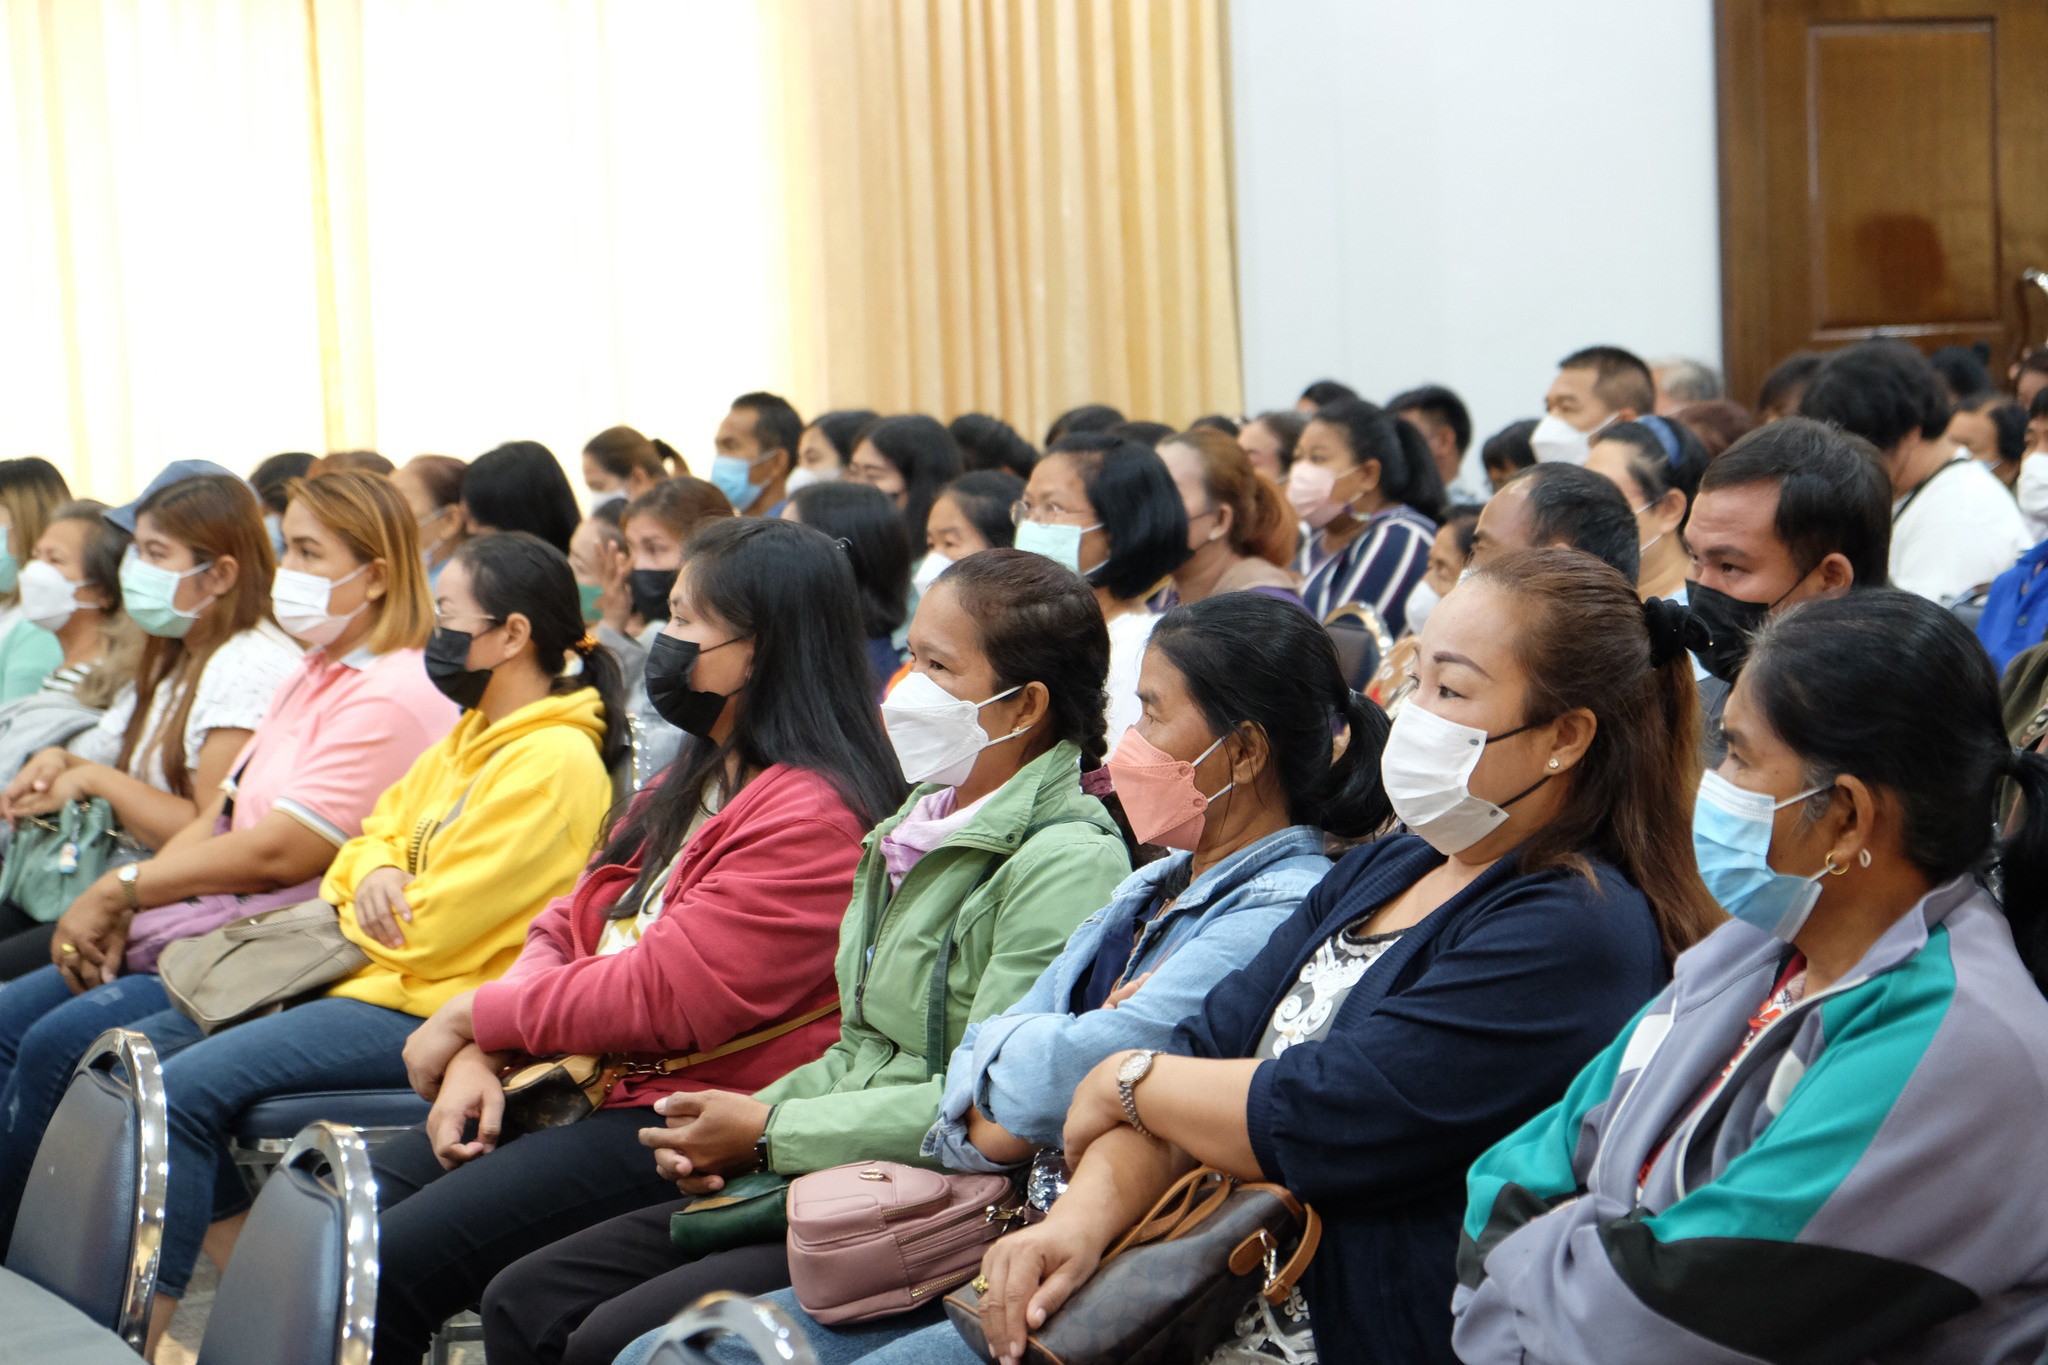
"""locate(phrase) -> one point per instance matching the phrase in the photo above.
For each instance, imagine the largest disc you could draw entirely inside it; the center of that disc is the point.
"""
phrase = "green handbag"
(750, 1210)
(55, 857)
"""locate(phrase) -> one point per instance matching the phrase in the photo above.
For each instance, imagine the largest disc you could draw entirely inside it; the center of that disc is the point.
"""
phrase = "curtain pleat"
(1014, 206)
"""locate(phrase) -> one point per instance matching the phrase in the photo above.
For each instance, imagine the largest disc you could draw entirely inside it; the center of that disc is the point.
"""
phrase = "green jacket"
(1011, 898)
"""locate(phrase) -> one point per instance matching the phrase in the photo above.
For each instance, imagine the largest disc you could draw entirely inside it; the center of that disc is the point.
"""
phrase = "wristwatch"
(761, 1142)
(126, 876)
(1134, 1068)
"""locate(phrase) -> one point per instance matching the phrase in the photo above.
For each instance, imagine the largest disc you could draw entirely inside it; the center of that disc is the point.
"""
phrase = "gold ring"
(68, 949)
(979, 1284)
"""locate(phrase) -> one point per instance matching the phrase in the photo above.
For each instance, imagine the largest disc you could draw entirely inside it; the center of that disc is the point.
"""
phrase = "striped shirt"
(1378, 569)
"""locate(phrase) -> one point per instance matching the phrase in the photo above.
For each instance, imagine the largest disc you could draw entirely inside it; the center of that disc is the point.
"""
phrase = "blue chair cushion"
(43, 1329)
(280, 1117)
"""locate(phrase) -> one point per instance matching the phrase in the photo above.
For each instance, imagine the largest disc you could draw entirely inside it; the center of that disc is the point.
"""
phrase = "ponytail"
(2023, 862)
(1425, 482)
(1248, 659)
(1354, 803)
(600, 671)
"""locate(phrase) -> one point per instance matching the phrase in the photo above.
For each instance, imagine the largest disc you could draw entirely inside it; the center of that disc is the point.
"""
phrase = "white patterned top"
(1305, 1014)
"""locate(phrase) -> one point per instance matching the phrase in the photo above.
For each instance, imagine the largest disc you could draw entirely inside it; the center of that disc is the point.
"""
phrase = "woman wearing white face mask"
(1820, 1141)
(345, 724)
(1367, 486)
(971, 514)
(1656, 462)
(30, 490)
(72, 588)
(196, 580)
(1107, 509)
(961, 898)
(1434, 991)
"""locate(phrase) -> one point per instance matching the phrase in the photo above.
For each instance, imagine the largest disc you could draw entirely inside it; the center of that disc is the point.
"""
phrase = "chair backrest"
(302, 1286)
(92, 1216)
(771, 1334)
(1362, 640)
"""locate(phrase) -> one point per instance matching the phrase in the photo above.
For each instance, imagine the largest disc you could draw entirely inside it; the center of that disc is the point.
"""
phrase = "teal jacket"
(1006, 889)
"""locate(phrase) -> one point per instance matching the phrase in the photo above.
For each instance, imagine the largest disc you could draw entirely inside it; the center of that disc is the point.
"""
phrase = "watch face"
(1134, 1067)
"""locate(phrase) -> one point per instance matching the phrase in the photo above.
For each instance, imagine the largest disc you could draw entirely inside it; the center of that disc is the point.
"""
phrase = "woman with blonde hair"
(31, 490)
(1241, 535)
(345, 724)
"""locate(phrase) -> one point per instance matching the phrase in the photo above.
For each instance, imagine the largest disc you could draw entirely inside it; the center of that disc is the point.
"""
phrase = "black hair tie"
(2015, 761)
(1673, 630)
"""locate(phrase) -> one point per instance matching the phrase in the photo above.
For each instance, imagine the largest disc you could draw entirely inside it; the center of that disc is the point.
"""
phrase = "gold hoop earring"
(1828, 866)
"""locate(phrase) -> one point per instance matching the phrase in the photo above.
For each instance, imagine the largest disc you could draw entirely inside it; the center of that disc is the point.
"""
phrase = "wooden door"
(1884, 171)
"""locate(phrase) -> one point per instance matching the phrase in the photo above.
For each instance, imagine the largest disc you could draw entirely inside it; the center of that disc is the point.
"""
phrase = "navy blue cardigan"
(1473, 1022)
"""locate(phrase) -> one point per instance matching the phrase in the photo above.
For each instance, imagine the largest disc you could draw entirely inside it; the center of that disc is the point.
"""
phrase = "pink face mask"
(1158, 792)
(1309, 490)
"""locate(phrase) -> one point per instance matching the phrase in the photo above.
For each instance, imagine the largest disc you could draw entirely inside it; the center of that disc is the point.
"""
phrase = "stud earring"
(1554, 765)
(1863, 858)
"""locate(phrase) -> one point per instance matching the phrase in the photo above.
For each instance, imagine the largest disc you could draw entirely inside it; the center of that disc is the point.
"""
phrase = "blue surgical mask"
(734, 477)
(1731, 838)
(274, 523)
(1060, 544)
(10, 567)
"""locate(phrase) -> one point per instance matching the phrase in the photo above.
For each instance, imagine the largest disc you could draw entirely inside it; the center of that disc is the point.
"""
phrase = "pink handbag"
(878, 1237)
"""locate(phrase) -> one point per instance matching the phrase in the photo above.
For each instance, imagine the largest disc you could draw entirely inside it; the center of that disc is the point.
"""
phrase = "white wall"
(1463, 191)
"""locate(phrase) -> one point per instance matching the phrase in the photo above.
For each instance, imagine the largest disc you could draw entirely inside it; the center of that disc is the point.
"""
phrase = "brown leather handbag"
(1172, 1289)
(554, 1092)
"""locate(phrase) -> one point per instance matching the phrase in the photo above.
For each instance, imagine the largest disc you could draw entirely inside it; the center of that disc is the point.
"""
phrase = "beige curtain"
(1011, 206)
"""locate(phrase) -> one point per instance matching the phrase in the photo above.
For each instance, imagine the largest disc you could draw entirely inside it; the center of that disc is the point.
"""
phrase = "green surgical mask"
(148, 595)
(590, 592)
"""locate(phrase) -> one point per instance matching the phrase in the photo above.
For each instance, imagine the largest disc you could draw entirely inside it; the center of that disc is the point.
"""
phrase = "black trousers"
(582, 1300)
(442, 1235)
(24, 943)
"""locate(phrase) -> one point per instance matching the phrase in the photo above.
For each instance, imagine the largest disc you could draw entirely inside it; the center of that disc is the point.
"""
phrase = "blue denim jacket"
(1021, 1067)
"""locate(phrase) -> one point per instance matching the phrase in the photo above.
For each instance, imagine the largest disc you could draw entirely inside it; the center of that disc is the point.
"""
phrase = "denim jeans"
(920, 1338)
(321, 1045)
(44, 1030)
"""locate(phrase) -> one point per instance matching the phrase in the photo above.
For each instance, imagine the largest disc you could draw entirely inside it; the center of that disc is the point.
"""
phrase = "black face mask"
(448, 668)
(669, 664)
(1731, 621)
(649, 588)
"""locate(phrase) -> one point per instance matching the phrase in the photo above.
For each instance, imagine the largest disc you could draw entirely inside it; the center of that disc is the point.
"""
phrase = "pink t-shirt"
(338, 732)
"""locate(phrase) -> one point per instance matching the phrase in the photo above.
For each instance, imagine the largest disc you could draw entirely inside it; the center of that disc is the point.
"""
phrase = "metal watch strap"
(1128, 1092)
(127, 878)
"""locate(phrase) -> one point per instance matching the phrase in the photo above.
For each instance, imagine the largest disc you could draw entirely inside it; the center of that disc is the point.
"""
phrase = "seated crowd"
(1595, 872)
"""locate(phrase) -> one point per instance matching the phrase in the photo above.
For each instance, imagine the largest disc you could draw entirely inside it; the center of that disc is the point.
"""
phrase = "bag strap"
(1187, 1202)
(1921, 486)
(935, 1050)
(668, 1066)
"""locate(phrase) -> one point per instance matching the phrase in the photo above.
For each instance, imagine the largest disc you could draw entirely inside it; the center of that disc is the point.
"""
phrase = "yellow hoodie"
(532, 791)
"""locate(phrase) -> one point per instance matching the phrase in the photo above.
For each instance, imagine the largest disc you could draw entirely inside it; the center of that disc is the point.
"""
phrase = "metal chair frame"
(151, 1117)
(771, 1333)
(347, 1158)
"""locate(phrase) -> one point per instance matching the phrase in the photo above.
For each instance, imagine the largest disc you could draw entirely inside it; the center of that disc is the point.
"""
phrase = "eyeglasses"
(1045, 514)
(489, 622)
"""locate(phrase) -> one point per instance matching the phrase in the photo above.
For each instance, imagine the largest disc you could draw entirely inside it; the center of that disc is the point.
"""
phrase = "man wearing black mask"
(1792, 511)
